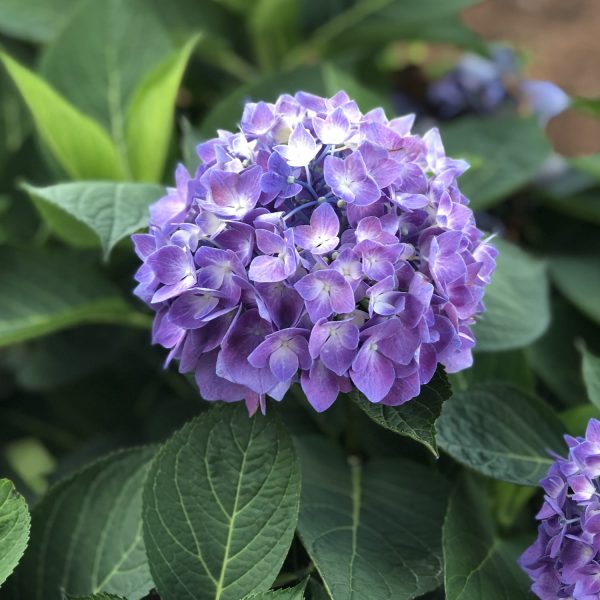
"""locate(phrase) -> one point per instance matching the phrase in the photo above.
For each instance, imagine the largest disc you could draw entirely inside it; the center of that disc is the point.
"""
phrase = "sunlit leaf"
(77, 142)
(150, 116)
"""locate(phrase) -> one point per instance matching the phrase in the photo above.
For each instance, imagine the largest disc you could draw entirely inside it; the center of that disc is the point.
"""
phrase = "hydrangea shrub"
(317, 245)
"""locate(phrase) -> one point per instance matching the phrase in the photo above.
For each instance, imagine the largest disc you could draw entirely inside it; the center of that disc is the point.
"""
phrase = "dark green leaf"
(505, 154)
(220, 506)
(35, 20)
(154, 102)
(44, 291)
(77, 142)
(478, 563)
(87, 533)
(578, 278)
(554, 356)
(372, 530)
(14, 528)
(517, 302)
(415, 419)
(501, 432)
(591, 375)
(111, 210)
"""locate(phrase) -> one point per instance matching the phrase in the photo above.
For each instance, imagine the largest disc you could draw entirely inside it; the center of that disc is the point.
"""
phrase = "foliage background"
(98, 101)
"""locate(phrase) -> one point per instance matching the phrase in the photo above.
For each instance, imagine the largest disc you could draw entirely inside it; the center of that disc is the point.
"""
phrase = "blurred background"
(119, 91)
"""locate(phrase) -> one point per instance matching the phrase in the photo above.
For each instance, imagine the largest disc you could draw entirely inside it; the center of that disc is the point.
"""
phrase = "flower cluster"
(318, 245)
(564, 561)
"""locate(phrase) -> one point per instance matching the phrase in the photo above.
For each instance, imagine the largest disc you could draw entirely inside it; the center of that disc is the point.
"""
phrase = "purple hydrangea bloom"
(319, 246)
(564, 561)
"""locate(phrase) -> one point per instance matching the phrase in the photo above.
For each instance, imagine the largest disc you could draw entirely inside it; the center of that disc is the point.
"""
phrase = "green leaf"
(372, 530)
(48, 290)
(295, 593)
(87, 533)
(35, 20)
(506, 153)
(415, 419)
(111, 210)
(154, 102)
(578, 278)
(501, 432)
(220, 506)
(77, 142)
(14, 528)
(323, 80)
(476, 559)
(591, 375)
(99, 59)
(517, 302)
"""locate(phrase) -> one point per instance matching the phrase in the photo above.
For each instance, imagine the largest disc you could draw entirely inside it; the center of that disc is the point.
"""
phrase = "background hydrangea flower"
(317, 245)
(564, 561)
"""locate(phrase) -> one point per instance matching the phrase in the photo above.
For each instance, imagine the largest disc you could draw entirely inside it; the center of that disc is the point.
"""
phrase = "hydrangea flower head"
(564, 561)
(320, 246)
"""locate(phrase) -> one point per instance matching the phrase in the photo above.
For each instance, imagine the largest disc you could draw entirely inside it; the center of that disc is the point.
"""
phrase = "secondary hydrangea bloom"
(564, 561)
(317, 245)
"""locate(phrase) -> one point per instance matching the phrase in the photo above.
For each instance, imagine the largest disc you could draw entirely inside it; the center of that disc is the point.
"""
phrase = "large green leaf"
(14, 528)
(87, 533)
(44, 291)
(154, 102)
(111, 210)
(505, 154)
(324, 80)
(220, 506)
(517, 302)
(100, 57)
(35, 20)
(77, 142)
(591, 376)
(373, 531)
(578, 278)
(501, 432)
(478, 563)
(416, 418)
